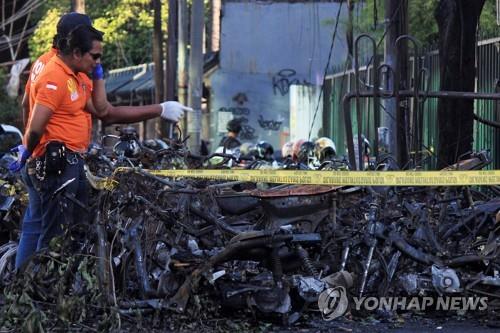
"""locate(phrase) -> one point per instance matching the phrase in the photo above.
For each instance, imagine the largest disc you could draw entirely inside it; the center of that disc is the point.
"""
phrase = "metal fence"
(487, 81)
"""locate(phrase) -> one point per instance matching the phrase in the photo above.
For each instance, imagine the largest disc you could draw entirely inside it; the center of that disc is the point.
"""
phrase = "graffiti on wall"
(284, 79)
(235, 110)
(273, 125)
(247, 131)
(239, 112)
(240, 98)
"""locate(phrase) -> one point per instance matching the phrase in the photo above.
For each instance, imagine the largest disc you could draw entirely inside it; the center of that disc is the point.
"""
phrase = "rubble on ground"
(190, 253)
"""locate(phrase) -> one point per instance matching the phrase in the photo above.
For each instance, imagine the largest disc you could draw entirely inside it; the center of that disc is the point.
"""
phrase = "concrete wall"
(306, 112)
(265, 48)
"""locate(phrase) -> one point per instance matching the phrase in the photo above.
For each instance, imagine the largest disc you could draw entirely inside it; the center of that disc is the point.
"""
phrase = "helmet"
(296, 148)
(234, 125)
(265, 150)
(287, 150)
(247, 148)
(306, 153)
(324, 149)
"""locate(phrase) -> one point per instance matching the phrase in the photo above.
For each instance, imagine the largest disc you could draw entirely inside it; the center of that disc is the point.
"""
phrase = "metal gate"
(487, 81)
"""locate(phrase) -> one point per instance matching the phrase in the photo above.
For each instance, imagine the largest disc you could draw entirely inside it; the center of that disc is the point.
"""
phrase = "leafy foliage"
(422, 23)
(127, 24)
(487, 22)
(41, 40)
(117, 21)
(56, 289)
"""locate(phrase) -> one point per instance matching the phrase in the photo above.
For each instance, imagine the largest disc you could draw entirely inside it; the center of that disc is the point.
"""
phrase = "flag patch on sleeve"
(51, 85)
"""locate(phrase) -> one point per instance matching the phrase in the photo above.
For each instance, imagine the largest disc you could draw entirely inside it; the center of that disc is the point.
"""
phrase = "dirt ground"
(312, 323)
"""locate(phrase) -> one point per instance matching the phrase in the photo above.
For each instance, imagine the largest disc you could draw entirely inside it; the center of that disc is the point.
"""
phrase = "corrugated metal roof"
(117, 78)
(143, 77)
(147, 88)
(138, 81)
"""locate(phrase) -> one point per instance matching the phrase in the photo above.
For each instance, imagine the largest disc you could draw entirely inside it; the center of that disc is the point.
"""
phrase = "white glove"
(173, 111)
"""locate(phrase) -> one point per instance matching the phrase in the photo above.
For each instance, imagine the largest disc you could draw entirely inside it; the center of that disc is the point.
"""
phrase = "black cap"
(69, 21)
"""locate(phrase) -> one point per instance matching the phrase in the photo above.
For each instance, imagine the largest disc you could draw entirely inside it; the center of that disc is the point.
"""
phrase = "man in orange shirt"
(58, 131)
(66, 23)
(32, 219)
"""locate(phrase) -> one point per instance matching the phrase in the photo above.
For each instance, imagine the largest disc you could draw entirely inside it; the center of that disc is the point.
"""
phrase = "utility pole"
(171, 75)
(215, 26)
(195, 76)
(171, 51)
(78, 6)
(395, 116)
(153, 126)
(182, 42)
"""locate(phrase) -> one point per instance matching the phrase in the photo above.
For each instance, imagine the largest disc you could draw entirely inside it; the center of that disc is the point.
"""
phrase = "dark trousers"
(58, 211)
(32, 221)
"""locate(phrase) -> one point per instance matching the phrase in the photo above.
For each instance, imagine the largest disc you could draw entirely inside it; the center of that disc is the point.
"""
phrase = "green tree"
(127, 24)
(488, 20)
(422, 23)
(119, 20)
(41, 40)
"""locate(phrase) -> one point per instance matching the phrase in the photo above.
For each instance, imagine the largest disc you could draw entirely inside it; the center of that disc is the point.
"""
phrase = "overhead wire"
(5, 41)
(28, 7)
(337, 19)
(10, 40)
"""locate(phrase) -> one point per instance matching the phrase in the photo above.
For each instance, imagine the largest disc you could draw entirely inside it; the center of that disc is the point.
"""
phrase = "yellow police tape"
(351, 178)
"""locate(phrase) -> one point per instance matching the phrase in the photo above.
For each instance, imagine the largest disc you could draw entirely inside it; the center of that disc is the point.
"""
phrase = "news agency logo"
(333, 303)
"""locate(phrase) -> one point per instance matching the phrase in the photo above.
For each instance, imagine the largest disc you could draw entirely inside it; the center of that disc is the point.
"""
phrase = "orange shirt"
(66, 94)
(35, 71)
(37, 68)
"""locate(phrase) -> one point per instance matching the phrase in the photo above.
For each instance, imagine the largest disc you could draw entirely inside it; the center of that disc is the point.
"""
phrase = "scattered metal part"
(416, 284)
(445, 280)
(309, 287)
(174, 243)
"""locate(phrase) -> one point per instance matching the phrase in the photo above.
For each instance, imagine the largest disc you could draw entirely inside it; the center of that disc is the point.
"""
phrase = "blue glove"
(98, 72)
(24, 154)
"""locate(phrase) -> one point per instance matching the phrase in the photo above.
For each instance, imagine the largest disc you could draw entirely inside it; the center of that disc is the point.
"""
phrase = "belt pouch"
(55, 158)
